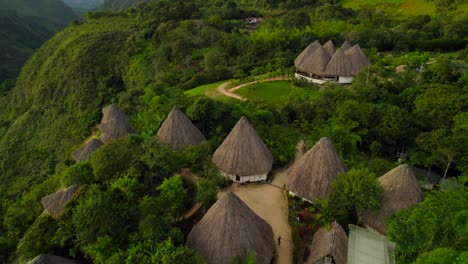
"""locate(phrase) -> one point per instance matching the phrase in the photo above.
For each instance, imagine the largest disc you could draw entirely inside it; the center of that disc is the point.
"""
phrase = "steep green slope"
(54, 12)
(56, 102)
(74, 72)
(24, 26)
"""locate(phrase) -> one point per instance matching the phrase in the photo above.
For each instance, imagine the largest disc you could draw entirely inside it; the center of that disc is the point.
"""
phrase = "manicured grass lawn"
(276, 92)
(203, 89)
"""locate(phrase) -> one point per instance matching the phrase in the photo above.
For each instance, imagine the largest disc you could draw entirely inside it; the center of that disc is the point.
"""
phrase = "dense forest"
(145, 57)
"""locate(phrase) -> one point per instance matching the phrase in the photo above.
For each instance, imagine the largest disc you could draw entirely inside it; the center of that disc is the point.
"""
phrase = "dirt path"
(222, 89)
(189, 176)
(271, 204)
(230, 92)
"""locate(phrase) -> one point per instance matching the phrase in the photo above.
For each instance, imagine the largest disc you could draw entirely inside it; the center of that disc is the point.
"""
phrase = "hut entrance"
(237, 178)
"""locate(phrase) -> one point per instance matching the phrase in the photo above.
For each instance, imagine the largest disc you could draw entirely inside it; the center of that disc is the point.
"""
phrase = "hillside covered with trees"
(24, 27)
(143, 59)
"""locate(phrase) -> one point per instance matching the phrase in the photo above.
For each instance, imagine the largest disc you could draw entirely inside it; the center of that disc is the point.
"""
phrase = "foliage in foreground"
(438, 222)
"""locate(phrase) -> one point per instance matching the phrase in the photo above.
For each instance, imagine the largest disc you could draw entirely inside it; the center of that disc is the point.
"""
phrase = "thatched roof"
(401, 68)
(231, 229)
(401, 190)
(55, 203)
(346, 45)
(310, 177)
(51, 259)
(339, 65)
(330, 47)
(243, 152)
(330, 243)
(114, 124)
(328, 61)
(307, 52)
(85, 151)
(316, 62)
(111, 112)
(178, 131)
(357, 58)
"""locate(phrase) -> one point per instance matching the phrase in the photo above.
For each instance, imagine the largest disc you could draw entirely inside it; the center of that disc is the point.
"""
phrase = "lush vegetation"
(143, 59)
(24, 27)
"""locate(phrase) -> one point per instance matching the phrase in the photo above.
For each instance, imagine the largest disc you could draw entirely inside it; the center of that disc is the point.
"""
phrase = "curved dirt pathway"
(271, 204)
(222, 89)
(230, 92)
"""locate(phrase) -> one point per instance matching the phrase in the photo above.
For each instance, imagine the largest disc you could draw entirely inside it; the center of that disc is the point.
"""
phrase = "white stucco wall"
(302, 198)
(300, 76)
(345, 79)
(251, 178)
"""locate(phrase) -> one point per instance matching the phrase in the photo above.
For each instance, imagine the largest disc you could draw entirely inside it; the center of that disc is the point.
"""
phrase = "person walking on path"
(279, 241)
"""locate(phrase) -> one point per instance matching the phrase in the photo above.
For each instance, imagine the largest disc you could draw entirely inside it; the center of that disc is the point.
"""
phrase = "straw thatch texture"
(401, 68)
(178, 131)
(316, 62)
(51, 259)
(331, 243)
(111, 112)
(340, 65)
(307, 52)
(114, 124)
(328, 61)
(401, 190)
(346, 45)
(85, 151)
(231, 229)
(243, 152)
(330, 47)
(55, 203)
(310, 177)
(357, 58)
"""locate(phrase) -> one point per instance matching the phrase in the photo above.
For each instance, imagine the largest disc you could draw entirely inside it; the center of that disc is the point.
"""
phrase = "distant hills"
(119, 5)
(25, 26)
(84, 4)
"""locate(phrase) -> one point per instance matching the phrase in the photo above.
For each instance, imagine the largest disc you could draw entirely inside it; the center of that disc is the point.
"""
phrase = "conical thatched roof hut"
(330, 47)
(316, 62)
(85, 151)
(51, 259)
(307, 52)
(331, 244)
(178, 131)
(401, 190)
(111, 112)
(231, 229)
(243, 156)
(114, 124)
(310, 177)
(357, 58)
(55, 203)
(346, 45)
(339, 65)
(319, 63)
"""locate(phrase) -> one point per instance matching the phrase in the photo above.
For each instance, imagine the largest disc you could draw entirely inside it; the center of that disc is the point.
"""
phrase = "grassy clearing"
(403, 7)
(276, 92)
(203, 89)
(417, 7)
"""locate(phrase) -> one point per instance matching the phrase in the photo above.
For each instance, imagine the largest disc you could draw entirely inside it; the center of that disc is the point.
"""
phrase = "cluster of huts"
(319, 64)
(230, 228)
